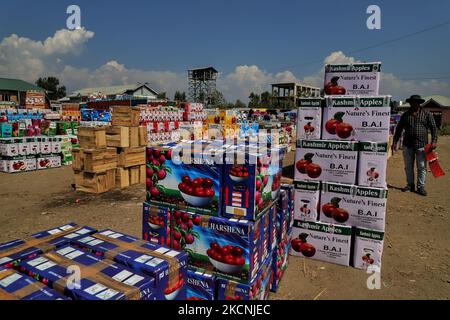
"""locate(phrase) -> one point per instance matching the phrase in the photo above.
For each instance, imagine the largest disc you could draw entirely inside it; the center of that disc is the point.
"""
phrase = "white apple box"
(56, 145)
(15, 165)
(24, 148)
(355, 79)
(372, 164)
(337, 160)
(33, 146)
(45, 145)
(309, 119)
(55, 161)
(9, 147)
(368, 248)
(359, 118)
(30, 163)
(3, 167)
(366, 207)
(307, 197)
(331, 243)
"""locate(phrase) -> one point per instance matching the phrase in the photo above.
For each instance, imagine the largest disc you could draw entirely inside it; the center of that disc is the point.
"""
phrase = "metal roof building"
(18, 92)
(141, 90)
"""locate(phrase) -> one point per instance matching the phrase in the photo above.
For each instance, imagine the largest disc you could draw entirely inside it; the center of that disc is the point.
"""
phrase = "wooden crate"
(117, 137)
(95, 182)
(125, 116)
(92, 138)
(134, 175)
(143, 138)
(99, 160)
(134, 137)
(130, 157)
(122, 178)
(77, 159)
(142, 174)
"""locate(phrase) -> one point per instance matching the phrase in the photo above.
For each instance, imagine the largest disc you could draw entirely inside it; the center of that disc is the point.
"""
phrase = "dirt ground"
(416, 252)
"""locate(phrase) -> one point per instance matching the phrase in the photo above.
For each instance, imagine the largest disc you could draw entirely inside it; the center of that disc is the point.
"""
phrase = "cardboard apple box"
(24, 148)
(20, 164)
(372, 164)
(322, 241)
(368, 248)
(9, 147)
(33, 146)
(307, 196)
(356, 118)
(45, 145)
(320, 160)
(47, 162)
(56, 145)
(355, 206)
(348, 79)
(309, 119)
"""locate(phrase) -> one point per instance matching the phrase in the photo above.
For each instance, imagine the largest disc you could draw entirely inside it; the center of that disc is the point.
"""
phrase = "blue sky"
(164, 38)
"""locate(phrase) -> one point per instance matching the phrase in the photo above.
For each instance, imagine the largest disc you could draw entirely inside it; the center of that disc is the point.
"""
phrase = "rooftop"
(18, 85)
(111, 90)
(205, 68)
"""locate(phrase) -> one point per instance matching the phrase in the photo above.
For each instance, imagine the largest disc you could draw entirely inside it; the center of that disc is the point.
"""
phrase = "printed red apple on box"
(355, 206)
(368, 248)
(321, 160)
(309, 118)
(307, 196)
(17, 164)
(372, 164)
(352, 79)
(356, 118)
(321, 241)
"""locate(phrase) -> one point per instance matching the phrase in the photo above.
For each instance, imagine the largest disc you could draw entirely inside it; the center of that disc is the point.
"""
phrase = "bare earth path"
(416, 260)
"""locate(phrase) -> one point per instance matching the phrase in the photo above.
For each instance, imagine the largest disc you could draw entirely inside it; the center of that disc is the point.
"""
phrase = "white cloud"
(28, 59)
(246, 79)
(113, 73)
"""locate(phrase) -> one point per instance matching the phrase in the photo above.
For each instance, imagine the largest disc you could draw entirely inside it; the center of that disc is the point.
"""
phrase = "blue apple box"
(269, 232)
(155, 223)
(283, 216)
(99, 278)
(211, 241)
(12, 252)
(251, 182)
(16, 286)
(201, 285)
(280, 261)
(258, 289)
(187, 174)
(168, 267)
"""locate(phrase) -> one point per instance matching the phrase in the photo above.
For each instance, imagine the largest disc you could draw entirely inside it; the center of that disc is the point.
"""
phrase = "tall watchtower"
(202, 85)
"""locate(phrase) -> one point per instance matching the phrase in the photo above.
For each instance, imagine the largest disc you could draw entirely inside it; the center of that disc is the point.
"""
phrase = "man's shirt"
(416, 129)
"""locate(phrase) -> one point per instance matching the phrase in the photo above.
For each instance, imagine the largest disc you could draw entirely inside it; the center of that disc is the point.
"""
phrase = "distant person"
(250, 114)
(416, 123)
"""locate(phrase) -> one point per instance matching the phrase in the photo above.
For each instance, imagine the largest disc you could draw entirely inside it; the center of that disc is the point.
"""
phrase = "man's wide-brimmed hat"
(415, 97)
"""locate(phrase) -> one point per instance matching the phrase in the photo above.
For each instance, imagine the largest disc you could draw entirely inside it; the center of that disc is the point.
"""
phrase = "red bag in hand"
(433, 162)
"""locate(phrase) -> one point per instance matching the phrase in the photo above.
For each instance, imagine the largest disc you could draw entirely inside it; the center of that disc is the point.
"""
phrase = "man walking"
(416, 123)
